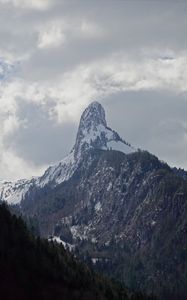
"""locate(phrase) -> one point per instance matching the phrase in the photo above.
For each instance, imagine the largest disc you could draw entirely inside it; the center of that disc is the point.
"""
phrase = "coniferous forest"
(33, 268)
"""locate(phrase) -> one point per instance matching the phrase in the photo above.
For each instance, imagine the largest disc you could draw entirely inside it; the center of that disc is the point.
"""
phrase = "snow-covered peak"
(93, 115)
(94, 133)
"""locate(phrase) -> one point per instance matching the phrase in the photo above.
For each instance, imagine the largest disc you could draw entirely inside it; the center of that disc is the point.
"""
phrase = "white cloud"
(12, 166)
(73, 90)
(89, 30)
(123, 73)
(10, 124)
(15, 167)
(31, 4)
(118, 73)
(51, 37)
(58, 32)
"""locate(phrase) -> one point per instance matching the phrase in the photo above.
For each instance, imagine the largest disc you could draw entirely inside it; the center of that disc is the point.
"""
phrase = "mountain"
(120, 209)
(93, 133)
(34, 269)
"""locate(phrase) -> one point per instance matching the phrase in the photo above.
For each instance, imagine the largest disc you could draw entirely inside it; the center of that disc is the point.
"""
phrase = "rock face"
(120, 209)
(93, 133)
(126, 214)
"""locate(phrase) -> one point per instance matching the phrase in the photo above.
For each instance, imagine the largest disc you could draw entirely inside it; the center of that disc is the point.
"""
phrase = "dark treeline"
(33, 268)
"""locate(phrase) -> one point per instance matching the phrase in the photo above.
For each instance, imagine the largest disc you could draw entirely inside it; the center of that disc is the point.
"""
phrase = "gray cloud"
(40, 140)
(152, 120)
(129, 55)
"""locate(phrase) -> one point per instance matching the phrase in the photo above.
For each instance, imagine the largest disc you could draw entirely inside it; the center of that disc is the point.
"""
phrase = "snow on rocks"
(93, 133)
(60, 241)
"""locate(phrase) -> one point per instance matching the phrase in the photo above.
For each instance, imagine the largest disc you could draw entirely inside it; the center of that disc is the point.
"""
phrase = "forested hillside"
(32, 268)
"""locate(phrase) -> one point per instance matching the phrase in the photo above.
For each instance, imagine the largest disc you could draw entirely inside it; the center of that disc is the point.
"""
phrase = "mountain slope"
(36, 269)
(122, 211)
(127, 213)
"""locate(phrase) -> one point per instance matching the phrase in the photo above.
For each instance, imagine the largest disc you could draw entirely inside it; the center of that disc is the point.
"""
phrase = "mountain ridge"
(123, 212)
(93, 132)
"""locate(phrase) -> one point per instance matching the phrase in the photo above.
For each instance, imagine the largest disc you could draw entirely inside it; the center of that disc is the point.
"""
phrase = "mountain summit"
(93, 133)
(93, 115)
(92, 123)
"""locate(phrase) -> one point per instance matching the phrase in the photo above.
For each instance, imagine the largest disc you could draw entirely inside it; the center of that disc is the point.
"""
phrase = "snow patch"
(95, 260)
(14, 192)
(59, 241)
(98, 206)
(109, 186)
(120, 146)
(153, 223)
(60, 172)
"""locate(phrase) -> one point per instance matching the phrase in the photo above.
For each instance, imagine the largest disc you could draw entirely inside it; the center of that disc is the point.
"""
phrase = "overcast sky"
(57, 56)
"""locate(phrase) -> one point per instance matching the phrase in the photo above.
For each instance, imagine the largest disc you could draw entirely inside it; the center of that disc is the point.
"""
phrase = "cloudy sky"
(57, 56)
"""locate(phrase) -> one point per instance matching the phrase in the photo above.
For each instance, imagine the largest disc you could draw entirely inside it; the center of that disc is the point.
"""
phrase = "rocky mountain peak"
(94, 133)
(92, 123)
(93, 116)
